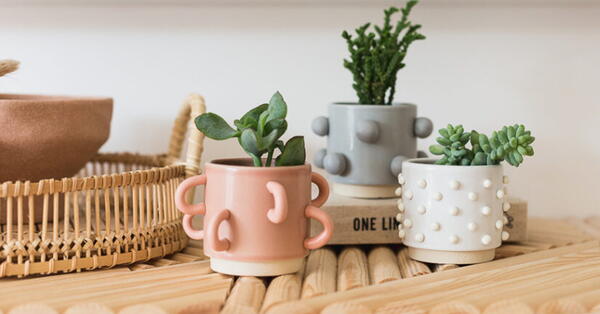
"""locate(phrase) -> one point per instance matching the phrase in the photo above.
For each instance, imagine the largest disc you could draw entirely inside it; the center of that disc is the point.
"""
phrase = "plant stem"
(256, 160)
(269, 158)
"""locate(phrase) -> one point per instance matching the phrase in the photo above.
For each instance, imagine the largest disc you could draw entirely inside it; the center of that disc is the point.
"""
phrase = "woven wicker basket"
(118, 210)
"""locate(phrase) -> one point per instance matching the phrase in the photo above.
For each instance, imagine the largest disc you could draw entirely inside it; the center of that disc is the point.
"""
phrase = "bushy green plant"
(258, 132)
(376, 57)
(510, 144)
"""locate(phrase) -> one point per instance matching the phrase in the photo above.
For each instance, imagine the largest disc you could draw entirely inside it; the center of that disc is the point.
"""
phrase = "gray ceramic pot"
(367, 144)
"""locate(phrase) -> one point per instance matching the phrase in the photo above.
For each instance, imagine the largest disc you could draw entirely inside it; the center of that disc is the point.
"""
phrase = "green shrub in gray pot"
(368, 141)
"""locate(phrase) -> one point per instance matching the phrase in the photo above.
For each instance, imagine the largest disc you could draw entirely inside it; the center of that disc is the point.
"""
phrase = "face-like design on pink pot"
(256, 218)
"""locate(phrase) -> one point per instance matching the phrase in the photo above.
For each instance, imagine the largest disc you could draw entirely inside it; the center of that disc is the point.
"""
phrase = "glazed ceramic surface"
(256, 218)
(452, 208)
(367, 144)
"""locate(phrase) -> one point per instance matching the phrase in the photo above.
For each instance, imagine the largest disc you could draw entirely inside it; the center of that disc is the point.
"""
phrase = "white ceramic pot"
(452, 214)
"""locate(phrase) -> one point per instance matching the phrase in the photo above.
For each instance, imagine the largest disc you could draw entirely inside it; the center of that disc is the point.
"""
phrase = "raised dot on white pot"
(401, 179)
(454, 211)
(454, 184)
(473, 196)
(419, 237)
(499, 224)
(422, 183)
(505, 219)
(472, 226)
(500, 194)
(435, 226)
(438, 196)
(505, 235)
(407, 223)
(398, 191)
(421, 209)
(506, 206)
(486, 239)
(409, 195)
(486, 210)
(487, 183)
(401, 234)
(399, 217)
(453, 239)
(401, 206)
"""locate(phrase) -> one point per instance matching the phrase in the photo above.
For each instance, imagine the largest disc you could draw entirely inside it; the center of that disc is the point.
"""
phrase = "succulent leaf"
(509, 144)
(293, 153)
(215, 127)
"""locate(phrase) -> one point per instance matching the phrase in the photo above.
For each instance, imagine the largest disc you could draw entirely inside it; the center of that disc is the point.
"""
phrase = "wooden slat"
(410, 268)
(383, 266)
(119, 288)
(439, 287)
(246, 296)
(353, 271)
(282, 289)
(320, 273)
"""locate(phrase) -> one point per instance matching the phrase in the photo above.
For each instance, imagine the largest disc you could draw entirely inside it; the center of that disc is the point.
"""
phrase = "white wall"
(482, 65)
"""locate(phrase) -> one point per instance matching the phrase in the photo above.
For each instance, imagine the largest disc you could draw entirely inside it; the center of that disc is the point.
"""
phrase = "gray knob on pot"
(423, 127)
(320, 126)
(396, 164)
(367, 131)
(335, 163)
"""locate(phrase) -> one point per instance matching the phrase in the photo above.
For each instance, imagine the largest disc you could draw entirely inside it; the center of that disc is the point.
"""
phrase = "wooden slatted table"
(561, 259)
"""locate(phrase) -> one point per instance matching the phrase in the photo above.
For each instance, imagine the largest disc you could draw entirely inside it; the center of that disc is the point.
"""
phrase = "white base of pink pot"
(269, 268)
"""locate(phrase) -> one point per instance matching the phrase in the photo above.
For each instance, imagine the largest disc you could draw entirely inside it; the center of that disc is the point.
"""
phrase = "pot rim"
(25, 98)
(429, 162)
(358, 105)
(243, 163)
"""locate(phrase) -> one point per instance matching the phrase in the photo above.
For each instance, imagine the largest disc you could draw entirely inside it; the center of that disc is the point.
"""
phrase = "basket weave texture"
(120, 209)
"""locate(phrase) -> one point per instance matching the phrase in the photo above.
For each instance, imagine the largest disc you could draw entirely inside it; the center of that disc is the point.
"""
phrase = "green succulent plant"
(376, 57)
(258, 133)
(509, 144)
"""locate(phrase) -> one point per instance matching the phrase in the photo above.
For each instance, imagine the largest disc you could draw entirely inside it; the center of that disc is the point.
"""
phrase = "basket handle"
(193, 106)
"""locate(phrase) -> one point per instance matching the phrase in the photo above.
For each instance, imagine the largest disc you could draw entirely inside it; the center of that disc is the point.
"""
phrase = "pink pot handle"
(189, 230)
(182, 204)
(212, 230)
(321, 182)
(278, 214)
(322, 238)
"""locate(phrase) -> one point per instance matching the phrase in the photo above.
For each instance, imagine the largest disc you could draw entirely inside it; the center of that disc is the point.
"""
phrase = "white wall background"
(483, 65)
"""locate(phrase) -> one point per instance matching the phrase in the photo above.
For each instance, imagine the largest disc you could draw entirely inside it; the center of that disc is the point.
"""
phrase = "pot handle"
(278, 214)
(322, 238)
(212, 229)
(321, 182)
(189, 230)
(184, 187)
(188, 209)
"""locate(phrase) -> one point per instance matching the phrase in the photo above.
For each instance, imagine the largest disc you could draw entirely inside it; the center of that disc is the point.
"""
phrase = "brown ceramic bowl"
(49, 137)
(46, 137)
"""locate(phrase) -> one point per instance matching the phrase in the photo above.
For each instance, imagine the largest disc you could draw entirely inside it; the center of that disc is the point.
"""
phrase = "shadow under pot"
(452, 214)
(256, 218)
(366, 145)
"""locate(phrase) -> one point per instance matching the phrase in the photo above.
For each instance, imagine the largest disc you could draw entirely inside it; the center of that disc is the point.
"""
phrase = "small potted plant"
(368, 141)
(256, 209)
(452, 208)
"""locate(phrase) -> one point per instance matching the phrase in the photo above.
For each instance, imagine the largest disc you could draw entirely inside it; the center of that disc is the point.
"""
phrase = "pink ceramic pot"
(256, 218)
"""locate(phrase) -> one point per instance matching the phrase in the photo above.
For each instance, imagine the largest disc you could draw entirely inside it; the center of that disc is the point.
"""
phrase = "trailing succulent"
(258, 132)
(510, 144)
(376, 57)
